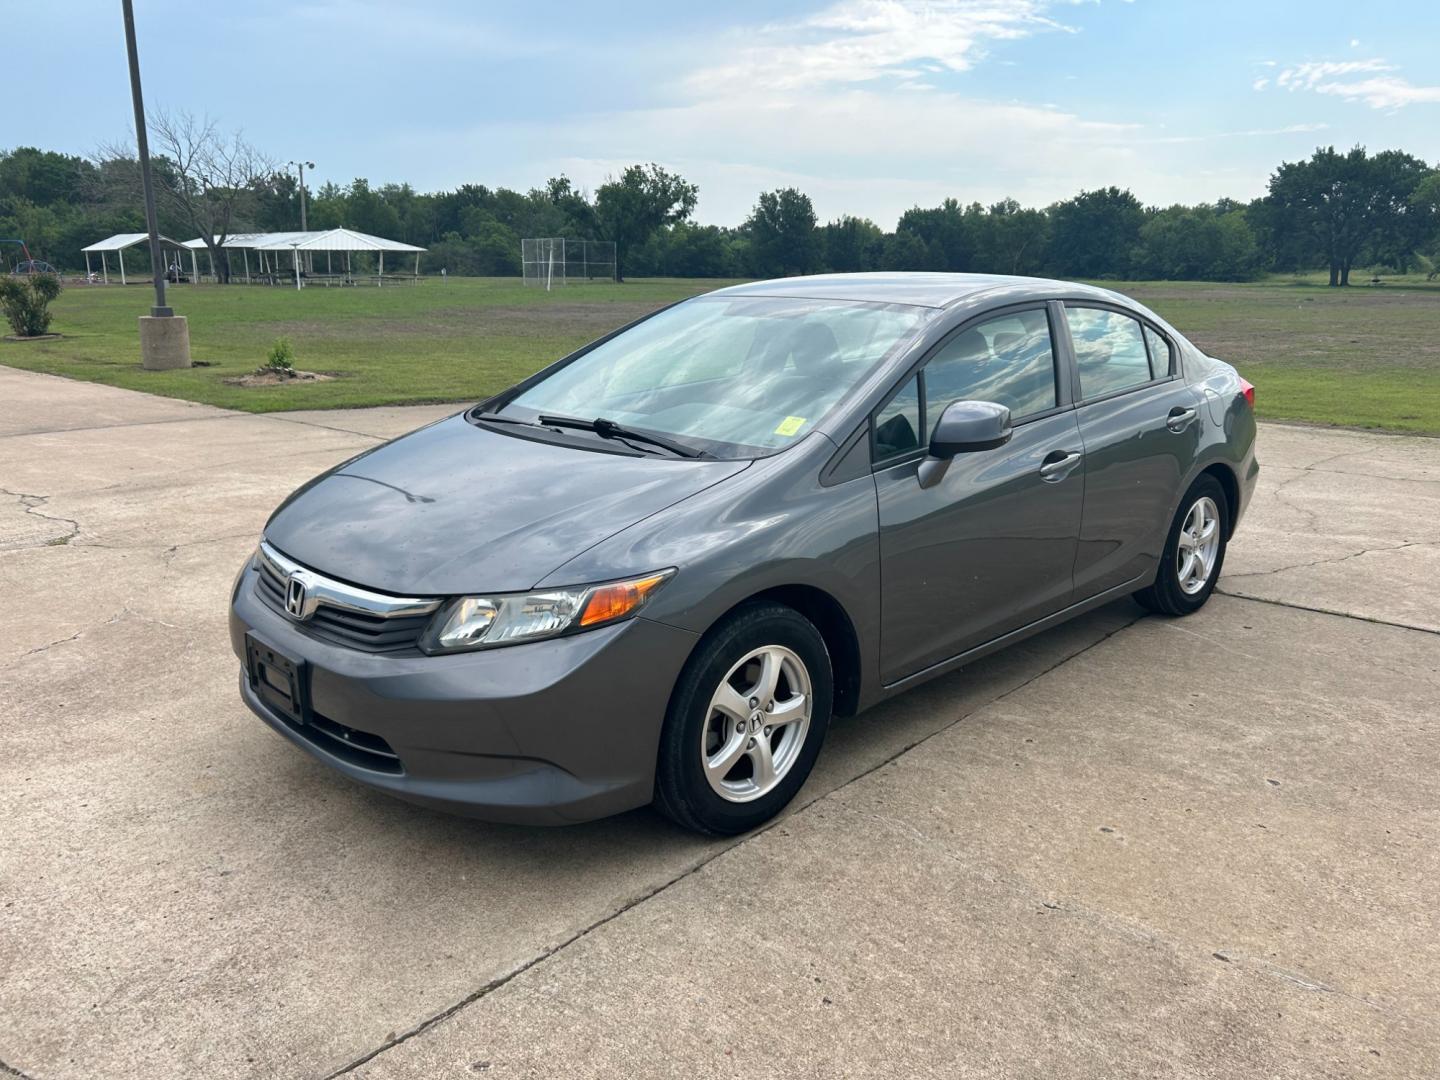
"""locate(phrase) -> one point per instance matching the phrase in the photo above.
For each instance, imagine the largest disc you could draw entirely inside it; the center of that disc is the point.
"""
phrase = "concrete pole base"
(164, 343)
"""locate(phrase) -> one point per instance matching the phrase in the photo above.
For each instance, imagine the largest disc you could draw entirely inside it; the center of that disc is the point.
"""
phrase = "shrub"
(281, 357)
(26, 302)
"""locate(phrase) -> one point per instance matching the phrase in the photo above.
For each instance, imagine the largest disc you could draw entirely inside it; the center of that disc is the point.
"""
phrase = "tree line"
(1335, 210)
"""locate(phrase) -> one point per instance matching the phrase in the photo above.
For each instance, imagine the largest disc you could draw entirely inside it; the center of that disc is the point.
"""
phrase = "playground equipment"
(26, 265)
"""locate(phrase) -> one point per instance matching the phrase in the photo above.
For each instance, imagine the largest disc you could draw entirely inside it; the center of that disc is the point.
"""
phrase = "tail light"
(1248, 389)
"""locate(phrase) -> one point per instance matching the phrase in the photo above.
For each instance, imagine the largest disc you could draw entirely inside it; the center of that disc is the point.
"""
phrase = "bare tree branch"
(203, 177)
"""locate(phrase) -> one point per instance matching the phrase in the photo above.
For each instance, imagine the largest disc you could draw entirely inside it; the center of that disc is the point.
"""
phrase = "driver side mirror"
(967, 426)
(964, 428)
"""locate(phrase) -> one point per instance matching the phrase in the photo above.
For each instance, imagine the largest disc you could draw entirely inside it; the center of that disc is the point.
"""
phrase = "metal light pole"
(160, 310)
(164, 336)
(302, 166)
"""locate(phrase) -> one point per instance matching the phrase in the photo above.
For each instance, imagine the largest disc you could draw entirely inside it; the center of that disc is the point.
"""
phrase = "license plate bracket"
(276, 679)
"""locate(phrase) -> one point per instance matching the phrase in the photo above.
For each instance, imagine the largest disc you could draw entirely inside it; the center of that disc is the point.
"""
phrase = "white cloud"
(859, 106)
(857, 41)
(1288, 129)
(1372, 81)
(1386, 92)
(1260, 84)
(1309, 75)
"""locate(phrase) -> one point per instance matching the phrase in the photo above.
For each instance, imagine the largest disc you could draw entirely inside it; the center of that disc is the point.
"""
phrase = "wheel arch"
(1230, 485)
(830, 618)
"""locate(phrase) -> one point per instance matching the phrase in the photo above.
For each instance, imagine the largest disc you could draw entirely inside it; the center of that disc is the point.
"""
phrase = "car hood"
(458, 508)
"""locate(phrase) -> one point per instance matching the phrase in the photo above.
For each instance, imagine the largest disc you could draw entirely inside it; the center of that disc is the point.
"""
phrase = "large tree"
(43, 177)
(1198, 243)
(1346, 205)
(642, 199)
(1426, 203)
(852, 244)
(782, 234)
(1322, 202)
(947, 232)
(1094, 234)
(1398, 226)
(1012, 239)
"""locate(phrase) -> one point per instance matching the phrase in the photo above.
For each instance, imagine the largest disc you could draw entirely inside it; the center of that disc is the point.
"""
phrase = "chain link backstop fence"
(552, 261)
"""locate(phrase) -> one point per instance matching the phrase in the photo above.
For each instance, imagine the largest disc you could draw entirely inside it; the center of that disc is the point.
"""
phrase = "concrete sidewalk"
(1128, 847)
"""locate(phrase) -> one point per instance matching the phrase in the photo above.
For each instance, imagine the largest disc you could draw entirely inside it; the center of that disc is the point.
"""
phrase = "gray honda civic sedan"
(655, 570)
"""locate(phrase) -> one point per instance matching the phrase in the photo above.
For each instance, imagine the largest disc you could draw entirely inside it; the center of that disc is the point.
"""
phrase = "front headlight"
(483, 622)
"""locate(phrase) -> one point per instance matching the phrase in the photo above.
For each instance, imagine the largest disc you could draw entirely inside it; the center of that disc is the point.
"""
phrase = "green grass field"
(1364, 356)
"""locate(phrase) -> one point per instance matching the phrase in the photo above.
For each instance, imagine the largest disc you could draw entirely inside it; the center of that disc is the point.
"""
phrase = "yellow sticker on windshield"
(790, 425)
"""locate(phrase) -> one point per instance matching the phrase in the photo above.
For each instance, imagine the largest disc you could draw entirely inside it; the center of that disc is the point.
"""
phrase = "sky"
(869, 106)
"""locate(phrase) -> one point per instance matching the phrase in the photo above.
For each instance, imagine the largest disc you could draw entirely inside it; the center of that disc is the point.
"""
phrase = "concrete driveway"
(1129, 847)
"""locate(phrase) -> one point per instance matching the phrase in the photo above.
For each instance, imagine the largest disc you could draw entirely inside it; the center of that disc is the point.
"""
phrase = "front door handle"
(1180, 419)
(1057, 465)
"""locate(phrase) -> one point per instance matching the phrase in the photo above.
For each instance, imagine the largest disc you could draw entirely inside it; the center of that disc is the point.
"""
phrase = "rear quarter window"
(1160, 353)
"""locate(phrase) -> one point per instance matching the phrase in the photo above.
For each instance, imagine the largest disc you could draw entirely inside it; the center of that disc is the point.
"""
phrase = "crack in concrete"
(109, 427)
(32, 504)
(520, 969)
(1334, 559)
(1280, 495)
(1330, 611)
(51, 645)
(327, 427)
(125, 611)
(1300, 471)
(1374, 476)
(168, 555)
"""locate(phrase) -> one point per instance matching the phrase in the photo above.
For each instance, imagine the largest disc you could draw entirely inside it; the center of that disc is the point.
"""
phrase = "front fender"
(773, 526)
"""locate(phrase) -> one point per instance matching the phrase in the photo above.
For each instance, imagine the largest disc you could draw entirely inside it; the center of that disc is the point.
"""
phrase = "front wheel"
(1194, 552)
(746, 721)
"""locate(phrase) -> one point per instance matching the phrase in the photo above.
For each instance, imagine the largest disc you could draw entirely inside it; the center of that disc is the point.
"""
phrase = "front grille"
(392, 625)
(358, 748)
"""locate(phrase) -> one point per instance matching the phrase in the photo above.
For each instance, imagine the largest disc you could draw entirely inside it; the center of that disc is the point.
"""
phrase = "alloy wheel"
(1199, 544)
(756, 725)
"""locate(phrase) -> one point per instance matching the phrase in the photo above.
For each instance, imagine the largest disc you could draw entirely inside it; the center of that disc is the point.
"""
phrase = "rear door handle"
(1057, 465)
(1180, 419)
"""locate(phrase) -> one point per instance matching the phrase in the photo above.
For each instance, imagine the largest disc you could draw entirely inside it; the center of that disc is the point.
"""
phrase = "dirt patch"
(278, 378)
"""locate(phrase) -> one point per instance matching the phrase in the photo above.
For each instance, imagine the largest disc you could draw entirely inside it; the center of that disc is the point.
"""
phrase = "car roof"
(916, 289)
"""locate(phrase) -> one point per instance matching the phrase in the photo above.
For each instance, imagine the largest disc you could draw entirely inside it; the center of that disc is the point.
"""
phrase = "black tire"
(1165, 595)
(682, 792)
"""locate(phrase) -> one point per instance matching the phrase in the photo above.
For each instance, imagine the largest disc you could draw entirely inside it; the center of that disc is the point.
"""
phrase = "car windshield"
(735, 375)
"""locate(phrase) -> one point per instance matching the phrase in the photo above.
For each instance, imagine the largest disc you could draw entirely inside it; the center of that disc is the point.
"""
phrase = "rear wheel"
(1194, 552)
(746, 721)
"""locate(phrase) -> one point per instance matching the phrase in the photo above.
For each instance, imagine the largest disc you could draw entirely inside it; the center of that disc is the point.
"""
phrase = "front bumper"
(552, 732)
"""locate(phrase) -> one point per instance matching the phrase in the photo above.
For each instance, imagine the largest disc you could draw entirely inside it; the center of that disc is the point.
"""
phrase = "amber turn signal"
(615, 601)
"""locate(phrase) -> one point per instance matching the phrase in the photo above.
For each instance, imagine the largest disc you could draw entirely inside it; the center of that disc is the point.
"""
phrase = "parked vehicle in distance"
(656, 569)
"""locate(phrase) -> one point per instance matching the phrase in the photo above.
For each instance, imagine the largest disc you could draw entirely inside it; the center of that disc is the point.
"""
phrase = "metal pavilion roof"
(121, 241)
(323, 240)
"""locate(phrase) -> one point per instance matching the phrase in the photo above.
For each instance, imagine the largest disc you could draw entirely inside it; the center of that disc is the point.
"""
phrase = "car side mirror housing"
(964, 428)
(967, 426)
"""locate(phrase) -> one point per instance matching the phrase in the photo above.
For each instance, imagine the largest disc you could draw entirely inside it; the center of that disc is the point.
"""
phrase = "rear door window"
(1109, 351)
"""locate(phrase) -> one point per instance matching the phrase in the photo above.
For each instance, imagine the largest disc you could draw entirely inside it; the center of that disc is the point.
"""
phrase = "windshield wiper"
(497, 418)
(609, 429)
